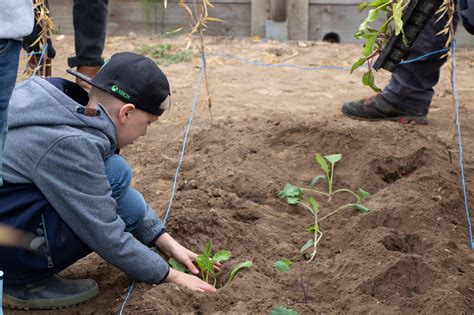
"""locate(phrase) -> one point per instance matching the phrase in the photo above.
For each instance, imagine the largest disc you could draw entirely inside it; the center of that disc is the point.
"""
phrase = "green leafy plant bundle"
(390, 12)
(305, 197)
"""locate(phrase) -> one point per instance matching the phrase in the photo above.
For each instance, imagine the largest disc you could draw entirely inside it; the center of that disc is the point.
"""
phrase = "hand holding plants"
(188, 281)
(184, 257)
(210, 264)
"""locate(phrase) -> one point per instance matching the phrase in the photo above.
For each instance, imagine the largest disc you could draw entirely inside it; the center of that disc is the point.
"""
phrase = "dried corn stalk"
(46, 26)
(199, 16)
(447, 9)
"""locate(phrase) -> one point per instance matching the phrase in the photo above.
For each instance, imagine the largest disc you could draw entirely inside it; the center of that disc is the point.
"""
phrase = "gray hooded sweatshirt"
(16, 18)
(62, 152)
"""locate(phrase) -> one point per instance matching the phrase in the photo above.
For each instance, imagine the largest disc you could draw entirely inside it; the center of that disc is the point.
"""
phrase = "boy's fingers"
(191, 267)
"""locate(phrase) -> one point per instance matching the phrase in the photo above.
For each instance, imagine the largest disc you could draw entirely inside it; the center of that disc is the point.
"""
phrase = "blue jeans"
(131, 206)
(9, 52)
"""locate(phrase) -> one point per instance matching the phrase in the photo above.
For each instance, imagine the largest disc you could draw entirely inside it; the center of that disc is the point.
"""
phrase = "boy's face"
(132, 123)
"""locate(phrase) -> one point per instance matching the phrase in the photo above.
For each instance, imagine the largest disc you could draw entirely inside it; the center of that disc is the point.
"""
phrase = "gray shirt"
(16, 18)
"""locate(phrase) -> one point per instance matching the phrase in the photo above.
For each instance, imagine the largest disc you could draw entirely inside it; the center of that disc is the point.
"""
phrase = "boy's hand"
(188, 281)
(172, 248)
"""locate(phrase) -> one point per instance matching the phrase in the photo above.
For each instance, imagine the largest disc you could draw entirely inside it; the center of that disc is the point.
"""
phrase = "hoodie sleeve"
(150, 228)
(71, 175)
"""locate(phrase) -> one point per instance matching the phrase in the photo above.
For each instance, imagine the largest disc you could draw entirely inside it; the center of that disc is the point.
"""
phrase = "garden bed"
(409, 254)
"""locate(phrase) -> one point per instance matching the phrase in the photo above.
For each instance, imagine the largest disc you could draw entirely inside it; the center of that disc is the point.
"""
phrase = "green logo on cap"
(120, 92)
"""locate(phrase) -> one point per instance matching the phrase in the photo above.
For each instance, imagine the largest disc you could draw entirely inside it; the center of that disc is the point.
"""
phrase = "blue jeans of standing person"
(9, 53)
(131, 206)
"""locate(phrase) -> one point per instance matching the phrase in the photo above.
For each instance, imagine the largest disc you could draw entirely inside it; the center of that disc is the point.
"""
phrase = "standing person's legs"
(411, 86)
(9, 53)
(408, 95)
(90, 25)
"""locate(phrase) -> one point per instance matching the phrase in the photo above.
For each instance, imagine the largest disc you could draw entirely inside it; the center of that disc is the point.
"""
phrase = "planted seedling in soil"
(206, 261)
(284, 265)
(305, 197)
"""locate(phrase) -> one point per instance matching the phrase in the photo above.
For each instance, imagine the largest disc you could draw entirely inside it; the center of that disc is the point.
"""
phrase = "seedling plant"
(305, 197)
(206, 261)
(284, 265)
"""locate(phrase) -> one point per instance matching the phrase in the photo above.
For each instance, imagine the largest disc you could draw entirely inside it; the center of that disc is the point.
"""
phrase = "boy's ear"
(125, 111)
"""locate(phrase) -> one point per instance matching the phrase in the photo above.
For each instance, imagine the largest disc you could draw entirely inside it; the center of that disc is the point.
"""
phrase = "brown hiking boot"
(377, 108)
(89, 71)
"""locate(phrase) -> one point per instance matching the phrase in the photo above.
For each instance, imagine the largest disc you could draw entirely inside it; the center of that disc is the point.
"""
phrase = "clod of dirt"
(402, 243)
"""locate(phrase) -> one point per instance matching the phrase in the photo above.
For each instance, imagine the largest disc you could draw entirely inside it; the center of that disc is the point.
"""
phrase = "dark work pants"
(411, 86)
(90, 25)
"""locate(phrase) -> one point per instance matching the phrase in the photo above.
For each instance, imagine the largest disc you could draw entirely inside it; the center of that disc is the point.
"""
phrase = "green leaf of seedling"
(204, 261)
(207, 249)
(385, 26)
(369, 45)
(177, 265)
(283, 311)
(358, 63)
(205, 266)
(316, 179)
(313, 228)
(361, 208)
(322, 162)
(371, 17)
(237, 268)
(290, 191)
(373, 4)
(283, 265)
(221, 256)
(363, 195)
(397, 16)
(362, 6)
(365, 33)
(333, 158)
(369, 80)
(313, 204)
(292, 200)
(307, 245)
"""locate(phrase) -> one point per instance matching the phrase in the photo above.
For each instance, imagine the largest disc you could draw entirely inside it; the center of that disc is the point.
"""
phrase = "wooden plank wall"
(325, 16)
(128, 16)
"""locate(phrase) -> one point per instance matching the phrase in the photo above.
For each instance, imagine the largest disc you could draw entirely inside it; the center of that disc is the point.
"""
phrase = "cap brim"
(83, 77)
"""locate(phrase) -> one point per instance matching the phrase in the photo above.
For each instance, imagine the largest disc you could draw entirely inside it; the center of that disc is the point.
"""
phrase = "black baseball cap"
(133, 79)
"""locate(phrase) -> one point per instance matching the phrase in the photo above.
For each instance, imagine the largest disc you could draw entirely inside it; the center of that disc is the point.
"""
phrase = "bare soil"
(410, 254)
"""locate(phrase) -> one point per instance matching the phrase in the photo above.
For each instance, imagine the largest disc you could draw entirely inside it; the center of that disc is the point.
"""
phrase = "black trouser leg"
(90, 25)
(411, 86)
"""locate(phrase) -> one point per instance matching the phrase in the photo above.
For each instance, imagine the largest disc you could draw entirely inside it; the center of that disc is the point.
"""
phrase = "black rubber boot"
(377, 108)
(50, 293)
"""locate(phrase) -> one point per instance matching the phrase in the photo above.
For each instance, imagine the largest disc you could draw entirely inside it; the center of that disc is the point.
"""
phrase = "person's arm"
(150, 228)
(171, 248)
(71, 176)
